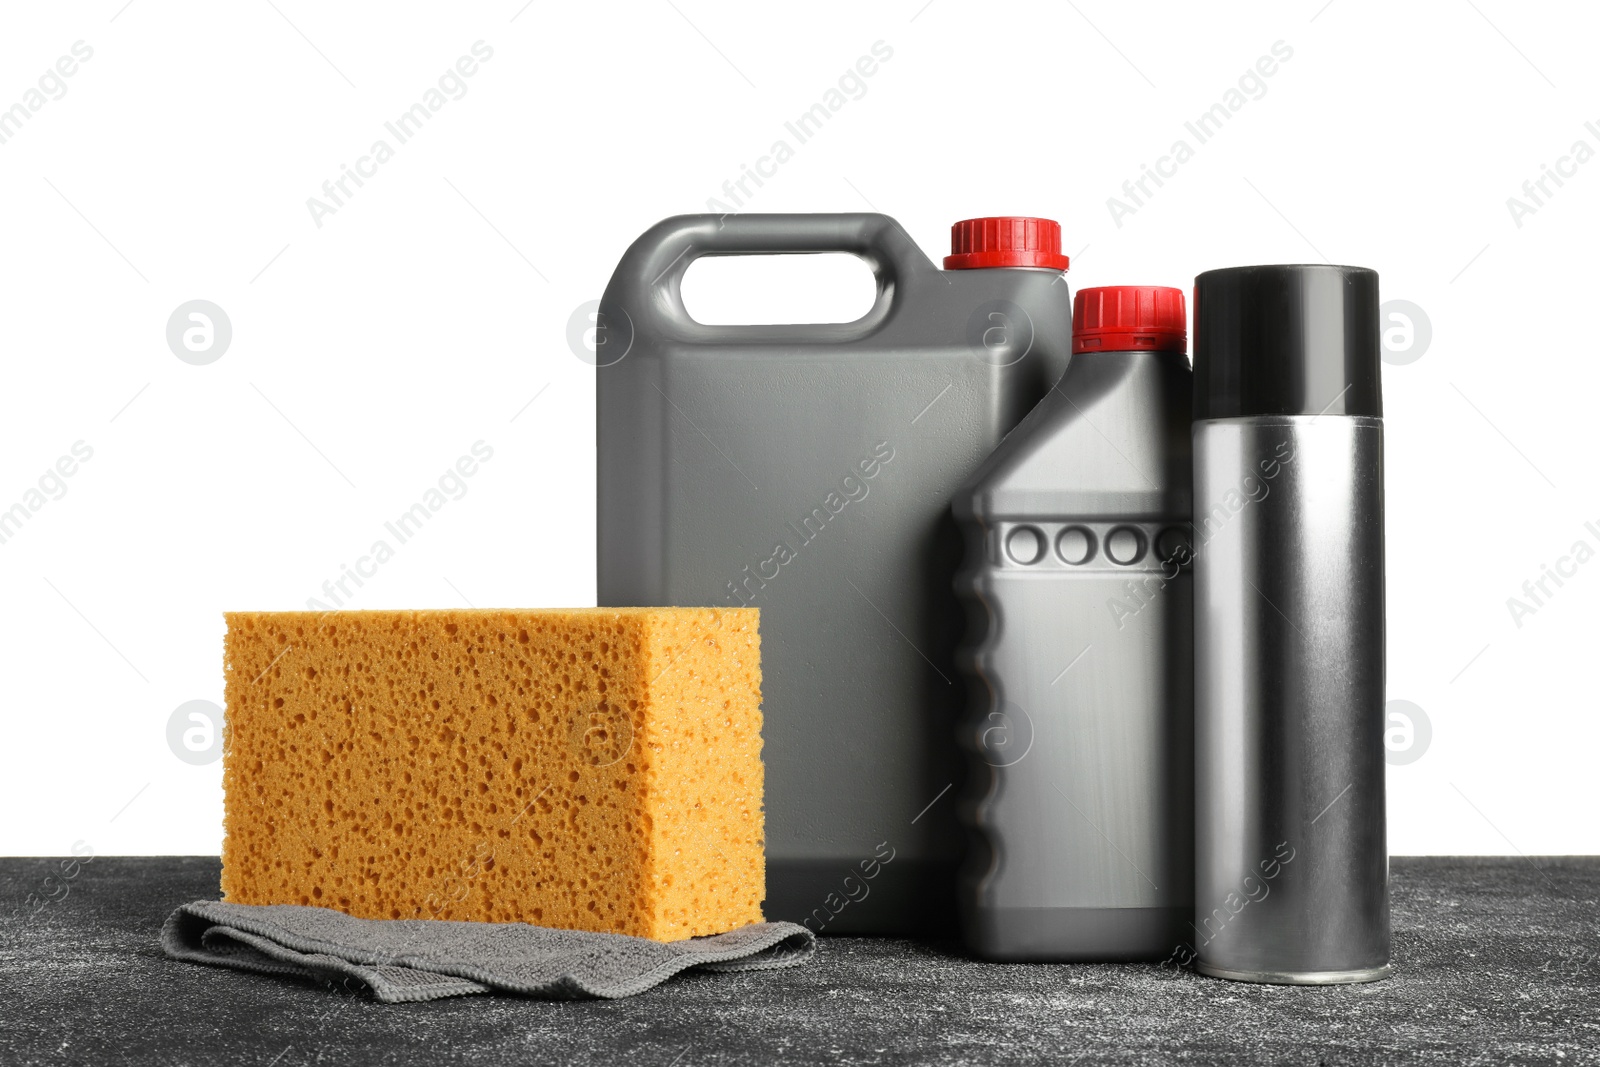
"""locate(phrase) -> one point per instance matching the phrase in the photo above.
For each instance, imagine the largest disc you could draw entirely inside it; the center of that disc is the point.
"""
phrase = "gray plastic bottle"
(1079, 653)
(807, 470)
(1291, 856)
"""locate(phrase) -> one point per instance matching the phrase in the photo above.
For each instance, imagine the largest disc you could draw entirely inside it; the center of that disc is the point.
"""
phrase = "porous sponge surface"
(590, 769)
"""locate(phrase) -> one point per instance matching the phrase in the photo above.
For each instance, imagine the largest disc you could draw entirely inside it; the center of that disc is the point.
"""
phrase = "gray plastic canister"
(807, 470)
(1080, 653)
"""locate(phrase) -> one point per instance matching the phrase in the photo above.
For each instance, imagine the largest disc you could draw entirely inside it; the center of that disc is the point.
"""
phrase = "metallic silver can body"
(1291, 855)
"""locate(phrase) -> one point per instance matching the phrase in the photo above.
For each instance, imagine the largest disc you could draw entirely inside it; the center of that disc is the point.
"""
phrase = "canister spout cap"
(1006, 241)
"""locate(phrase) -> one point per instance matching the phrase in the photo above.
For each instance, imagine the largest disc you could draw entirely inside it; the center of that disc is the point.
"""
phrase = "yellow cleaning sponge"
(592, 769)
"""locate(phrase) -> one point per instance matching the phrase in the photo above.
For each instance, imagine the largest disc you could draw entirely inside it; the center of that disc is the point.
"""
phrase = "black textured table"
(1497, 961)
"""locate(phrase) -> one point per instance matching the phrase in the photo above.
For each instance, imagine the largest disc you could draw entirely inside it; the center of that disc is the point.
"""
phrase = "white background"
(425, 314)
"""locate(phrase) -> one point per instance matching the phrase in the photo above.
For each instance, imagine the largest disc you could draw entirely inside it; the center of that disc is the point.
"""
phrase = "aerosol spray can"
(1291, 857)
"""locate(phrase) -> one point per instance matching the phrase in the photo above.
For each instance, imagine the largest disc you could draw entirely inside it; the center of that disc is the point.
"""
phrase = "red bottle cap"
(1005, 241)
(1123, 318)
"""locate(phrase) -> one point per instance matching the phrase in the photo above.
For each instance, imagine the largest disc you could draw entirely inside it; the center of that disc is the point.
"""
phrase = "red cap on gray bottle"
(1005, 241)
(1128, 318)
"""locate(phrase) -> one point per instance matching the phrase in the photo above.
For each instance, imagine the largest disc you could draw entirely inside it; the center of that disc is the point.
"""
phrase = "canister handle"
(647, 285)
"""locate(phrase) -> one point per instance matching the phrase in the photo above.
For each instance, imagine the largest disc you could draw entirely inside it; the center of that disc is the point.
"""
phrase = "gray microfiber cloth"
(423, 959)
